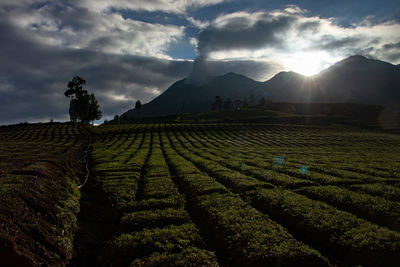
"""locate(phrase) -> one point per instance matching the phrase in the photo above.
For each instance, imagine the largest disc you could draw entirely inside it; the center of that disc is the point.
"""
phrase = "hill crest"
(356, 79)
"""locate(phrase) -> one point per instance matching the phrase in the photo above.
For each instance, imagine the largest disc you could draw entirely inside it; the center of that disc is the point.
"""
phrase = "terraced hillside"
(249, 195)
(39, 197)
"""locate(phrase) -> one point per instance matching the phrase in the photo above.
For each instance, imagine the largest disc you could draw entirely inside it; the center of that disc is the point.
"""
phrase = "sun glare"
(308, 64)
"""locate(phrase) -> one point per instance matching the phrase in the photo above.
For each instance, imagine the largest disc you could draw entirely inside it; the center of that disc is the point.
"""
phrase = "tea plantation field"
(250, 195)
(39, 197)
(200, 195)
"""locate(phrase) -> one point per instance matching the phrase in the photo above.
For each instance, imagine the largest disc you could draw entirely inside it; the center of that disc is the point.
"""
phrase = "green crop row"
(156, 228)
(236, 164)
(153, 218)
(248, 238)
(164, 242)
(239, 182)
(241, 234)
(119, 180)
(190, 256)
(158, 190)
(339, 234)
(193, 181)
(386, 191)
(255, 158)
(375, 209)
(387, 215)
(102, 154)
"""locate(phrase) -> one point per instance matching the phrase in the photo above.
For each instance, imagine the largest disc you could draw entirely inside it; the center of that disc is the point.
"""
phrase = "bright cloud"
(80, 28)
(295, 40)
(170, 6)
(261, 34)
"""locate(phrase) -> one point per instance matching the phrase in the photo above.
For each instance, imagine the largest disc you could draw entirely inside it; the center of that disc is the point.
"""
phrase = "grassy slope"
(39, 199)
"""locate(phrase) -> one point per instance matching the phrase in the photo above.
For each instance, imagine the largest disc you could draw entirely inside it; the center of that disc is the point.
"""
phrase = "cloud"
(259, 70)
(309, 26)
(197, 23)
(392, 46)
(33, 77)
(330, 43)
(104, 6)
(77, 27)
(44, 44)
(169, 6)
(289, 35)
(243, 32)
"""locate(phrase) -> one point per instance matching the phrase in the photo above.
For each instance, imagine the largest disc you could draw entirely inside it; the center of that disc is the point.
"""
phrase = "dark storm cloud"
(77, 18)
(392, 46)
(394, 57)
(33, 77)
(391, 52)
(312, 26)
(235, 33)
(243, 33)
(332, 43)
(257, 70)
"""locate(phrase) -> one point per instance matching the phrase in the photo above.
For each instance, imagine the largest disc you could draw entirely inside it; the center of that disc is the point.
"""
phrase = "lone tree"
(94, 109)
(138, 106)
(82, 106)
(217, 105)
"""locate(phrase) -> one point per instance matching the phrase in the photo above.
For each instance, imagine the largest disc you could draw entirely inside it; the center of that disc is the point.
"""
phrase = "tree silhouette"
(75, 87)
(251, 100)
(82, 106)
(218, 103)
(94, 109)
(228, 103)
(262, 101)
(138, 106)
(117, 119)
(238, 104)
(245, 104)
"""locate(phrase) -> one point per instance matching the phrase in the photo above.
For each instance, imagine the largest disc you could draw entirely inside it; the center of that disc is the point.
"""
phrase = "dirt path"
(95, 221)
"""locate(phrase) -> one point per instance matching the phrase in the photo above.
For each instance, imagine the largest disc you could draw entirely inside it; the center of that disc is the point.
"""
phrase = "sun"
(308, 63)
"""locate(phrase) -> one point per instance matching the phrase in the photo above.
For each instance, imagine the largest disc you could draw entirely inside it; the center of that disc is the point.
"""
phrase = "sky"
(135, 49)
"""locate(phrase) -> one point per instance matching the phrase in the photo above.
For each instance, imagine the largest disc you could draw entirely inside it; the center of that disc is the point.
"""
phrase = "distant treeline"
(327, 109)
(330, 109)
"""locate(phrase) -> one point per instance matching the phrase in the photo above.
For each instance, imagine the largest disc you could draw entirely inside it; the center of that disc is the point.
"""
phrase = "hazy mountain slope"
(363, 80)
(355, 79)
(196, 98)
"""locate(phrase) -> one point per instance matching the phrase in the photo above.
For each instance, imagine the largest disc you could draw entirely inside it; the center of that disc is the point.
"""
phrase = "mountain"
(191, 98)
(353, 80)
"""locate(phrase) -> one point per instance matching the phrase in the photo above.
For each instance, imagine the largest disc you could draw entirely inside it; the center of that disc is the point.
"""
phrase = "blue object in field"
(265, 93)
(303, 169)
(279, 160)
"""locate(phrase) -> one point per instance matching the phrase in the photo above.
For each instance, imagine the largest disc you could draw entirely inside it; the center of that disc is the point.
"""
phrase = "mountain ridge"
(355, 79)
